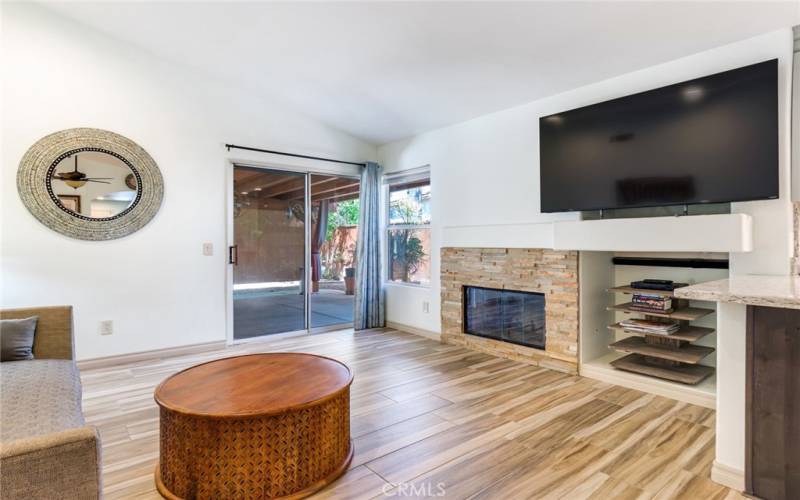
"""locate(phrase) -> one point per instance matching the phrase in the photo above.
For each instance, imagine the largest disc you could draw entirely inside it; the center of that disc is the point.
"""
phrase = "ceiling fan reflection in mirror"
(76, 179)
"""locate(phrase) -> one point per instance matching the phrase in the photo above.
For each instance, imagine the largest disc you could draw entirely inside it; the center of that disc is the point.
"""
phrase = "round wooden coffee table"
(257, 426)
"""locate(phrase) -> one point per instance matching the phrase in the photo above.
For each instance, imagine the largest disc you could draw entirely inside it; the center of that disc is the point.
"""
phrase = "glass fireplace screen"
(507, 315)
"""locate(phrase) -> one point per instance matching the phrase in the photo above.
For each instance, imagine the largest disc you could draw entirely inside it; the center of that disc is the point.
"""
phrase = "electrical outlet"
(208, 249)
(426, 307)
(106, 327)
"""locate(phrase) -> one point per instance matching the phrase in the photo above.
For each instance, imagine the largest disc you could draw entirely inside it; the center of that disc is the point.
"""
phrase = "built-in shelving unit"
(672, 357)
(680, 365)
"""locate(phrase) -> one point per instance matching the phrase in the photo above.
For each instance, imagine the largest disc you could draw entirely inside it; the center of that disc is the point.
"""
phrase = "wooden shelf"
(630, 291)
(691, 354)
(684, 313)
(689, 333)
(685, 374)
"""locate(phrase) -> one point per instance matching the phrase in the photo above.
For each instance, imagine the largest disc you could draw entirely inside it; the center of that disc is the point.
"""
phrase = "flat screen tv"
(709, 140)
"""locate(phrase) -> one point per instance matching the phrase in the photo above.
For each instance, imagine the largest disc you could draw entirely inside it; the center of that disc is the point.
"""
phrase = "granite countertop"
(772, 291)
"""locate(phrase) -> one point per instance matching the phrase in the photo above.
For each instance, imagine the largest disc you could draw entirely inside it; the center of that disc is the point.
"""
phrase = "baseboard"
(416, 331)
(108, 361)
(727, 476)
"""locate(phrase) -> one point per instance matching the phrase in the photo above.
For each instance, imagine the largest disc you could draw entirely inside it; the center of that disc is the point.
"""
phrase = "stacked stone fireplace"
(547, 276)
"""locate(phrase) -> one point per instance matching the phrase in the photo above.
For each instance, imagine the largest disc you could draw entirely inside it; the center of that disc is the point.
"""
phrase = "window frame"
(393, 179)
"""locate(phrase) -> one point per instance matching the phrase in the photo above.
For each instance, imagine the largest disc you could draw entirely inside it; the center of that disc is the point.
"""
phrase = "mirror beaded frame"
(37, 196)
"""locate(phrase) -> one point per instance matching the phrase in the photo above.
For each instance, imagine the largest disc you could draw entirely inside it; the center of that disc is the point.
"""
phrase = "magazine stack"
(648, 327)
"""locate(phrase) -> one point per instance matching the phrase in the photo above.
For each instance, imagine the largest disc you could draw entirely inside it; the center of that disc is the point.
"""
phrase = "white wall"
(155, 284)
(485, 171)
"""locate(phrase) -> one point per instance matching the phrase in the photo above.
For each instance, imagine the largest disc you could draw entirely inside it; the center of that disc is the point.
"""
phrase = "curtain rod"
(233, 146)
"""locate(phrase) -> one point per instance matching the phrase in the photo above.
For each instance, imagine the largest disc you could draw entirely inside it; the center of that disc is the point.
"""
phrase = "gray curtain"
(369, 312)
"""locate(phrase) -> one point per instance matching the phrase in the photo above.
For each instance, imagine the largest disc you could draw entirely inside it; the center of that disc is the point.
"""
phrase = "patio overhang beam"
(337, 195)
(340, 184)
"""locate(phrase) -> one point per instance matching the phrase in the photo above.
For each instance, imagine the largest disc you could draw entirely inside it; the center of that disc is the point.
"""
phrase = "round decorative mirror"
(90, 184)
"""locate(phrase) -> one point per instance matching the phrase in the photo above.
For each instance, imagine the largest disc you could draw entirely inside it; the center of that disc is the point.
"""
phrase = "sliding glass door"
(335, 211)
(293, 253)
(268, 254)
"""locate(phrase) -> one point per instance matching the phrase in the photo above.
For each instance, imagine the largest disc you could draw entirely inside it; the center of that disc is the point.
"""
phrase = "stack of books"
(651, 303)
(650, 327)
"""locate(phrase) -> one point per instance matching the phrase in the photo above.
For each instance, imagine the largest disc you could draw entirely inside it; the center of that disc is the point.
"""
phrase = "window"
(408, 228)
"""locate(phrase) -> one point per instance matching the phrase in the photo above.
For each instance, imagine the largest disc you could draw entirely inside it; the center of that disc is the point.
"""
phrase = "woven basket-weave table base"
(289, 455)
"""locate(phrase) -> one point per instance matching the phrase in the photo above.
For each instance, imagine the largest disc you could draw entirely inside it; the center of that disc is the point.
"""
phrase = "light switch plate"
(426, 307)
(208, 249)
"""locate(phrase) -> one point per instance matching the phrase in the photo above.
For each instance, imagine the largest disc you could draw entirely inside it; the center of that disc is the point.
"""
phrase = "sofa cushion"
(38, 397)
(16, 338)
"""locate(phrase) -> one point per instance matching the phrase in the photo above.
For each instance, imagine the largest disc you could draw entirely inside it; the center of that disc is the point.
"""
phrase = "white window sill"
(406, 285)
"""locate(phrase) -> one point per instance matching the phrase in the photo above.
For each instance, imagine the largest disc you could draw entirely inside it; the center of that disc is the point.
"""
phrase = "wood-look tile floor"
(436, 420)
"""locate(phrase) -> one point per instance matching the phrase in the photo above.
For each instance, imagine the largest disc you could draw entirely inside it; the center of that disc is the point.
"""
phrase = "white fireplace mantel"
(695, 233)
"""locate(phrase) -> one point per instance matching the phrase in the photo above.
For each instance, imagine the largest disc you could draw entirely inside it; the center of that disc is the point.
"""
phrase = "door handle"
(233, 254)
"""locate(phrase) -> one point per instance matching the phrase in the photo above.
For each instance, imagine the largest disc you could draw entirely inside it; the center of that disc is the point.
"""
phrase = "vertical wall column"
(796, 148)
(728, 467)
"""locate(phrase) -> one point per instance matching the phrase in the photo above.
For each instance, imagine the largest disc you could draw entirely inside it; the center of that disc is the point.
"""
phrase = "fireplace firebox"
(508, 315)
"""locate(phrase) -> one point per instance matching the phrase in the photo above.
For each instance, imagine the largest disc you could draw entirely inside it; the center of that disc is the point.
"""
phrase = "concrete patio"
(263, 314)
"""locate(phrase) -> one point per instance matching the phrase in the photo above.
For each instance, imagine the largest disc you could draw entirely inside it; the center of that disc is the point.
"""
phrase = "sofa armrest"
(65, 464)
(53, 338)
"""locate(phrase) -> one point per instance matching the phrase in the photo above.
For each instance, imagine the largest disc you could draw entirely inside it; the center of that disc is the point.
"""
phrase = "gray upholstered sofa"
(46, 449)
